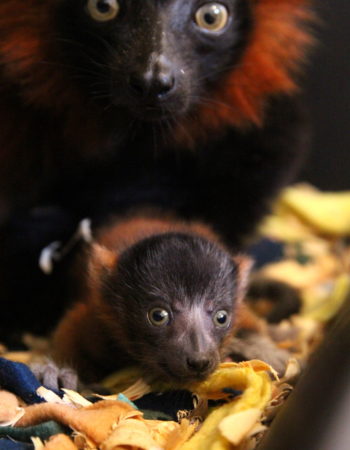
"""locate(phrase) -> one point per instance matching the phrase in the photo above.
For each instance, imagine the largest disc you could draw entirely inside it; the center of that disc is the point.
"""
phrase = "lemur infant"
(160, 293)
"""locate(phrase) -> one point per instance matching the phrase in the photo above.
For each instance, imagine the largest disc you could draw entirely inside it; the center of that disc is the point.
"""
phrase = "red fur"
(26, 44)
(37, 98)
(273, 56)
(131, 229)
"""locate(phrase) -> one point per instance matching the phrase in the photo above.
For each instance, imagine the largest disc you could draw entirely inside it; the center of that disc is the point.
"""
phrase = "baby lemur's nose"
(198, 364)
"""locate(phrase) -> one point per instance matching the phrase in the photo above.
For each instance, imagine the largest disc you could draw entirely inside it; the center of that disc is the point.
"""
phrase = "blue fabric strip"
(8, 444)
(18, 378)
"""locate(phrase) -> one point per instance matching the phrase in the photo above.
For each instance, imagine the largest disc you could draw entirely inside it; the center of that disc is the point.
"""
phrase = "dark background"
(327, 88)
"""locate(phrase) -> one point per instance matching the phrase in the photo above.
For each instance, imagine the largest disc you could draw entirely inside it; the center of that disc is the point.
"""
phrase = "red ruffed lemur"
(106, 105)
(159, 293)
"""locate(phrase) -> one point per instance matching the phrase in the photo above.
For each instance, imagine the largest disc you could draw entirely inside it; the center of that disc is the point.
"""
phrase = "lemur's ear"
(101, 258)
(244, 266)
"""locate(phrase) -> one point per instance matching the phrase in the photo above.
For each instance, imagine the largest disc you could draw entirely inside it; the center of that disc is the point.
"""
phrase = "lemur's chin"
(159, 112)
(154, 115)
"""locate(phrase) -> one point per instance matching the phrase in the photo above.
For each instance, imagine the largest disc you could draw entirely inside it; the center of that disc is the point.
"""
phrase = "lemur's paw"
(55, 377)
(257, 346)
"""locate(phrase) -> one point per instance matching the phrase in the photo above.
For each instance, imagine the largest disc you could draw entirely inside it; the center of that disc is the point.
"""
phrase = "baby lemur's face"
(174, 296)
(153, 58)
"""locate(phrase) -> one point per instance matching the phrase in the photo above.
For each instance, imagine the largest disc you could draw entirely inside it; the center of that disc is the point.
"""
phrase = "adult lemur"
(110, 104)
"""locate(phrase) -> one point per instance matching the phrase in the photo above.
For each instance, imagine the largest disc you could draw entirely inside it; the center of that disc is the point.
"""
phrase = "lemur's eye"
(212, 17)
(158, 317)
(221, 318)
(103, 10)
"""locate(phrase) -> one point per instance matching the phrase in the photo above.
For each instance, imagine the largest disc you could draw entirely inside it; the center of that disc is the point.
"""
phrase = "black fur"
(189, 277)
(227, 182)
(122, 64)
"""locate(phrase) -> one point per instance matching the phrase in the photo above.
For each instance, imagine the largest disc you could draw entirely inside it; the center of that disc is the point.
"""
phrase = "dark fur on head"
(152, 59)
(192, 280)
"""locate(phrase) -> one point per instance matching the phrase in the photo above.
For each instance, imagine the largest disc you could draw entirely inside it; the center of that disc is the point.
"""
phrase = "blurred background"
(327, 88)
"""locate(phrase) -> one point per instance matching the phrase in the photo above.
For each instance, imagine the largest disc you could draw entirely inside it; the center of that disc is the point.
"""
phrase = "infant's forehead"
(206, 292)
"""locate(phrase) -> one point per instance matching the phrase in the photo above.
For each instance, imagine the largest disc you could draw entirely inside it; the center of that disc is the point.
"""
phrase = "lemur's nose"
(157, 88)
(156, 83)
(199, 364)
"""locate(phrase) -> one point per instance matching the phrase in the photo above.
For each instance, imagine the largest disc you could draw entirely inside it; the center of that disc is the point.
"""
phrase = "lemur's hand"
(54, 377)
(254, 345)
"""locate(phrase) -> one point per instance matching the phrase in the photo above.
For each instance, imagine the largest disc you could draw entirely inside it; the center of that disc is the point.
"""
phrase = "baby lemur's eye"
(158, 317)
(212, 17)
(103, 10)
(221, 318)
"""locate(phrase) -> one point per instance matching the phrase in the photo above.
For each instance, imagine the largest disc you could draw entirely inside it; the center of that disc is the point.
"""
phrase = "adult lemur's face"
(153, 58)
